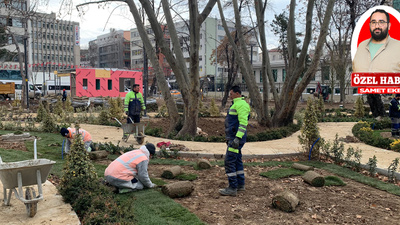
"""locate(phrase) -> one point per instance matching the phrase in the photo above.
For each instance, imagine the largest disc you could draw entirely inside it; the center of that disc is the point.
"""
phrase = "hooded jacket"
(132, 164)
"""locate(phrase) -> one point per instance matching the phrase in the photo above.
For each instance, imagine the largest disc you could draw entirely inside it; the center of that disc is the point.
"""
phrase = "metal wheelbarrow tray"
(137, 129)
(15, 175)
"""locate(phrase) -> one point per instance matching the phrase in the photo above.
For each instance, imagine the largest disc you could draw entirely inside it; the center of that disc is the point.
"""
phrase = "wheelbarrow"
(15, 175)
(137, 129)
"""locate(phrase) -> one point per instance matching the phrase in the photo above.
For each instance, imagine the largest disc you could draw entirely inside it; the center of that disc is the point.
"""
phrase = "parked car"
(175, 92)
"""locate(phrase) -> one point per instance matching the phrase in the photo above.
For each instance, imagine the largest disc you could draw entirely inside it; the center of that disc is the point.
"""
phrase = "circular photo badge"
(362, 29)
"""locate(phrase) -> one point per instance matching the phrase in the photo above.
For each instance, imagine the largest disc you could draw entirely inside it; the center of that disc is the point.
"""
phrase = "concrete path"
(288, 145)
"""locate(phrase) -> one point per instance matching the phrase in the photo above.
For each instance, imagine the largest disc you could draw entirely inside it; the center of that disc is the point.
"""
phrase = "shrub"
(360, 111)
(104, 118)
(116, 109)
(309, 131)
(78, 172)
(372, 165)
(41, 112)
(392, 170)
(353, 158)
(203, 111)
(320, 107)
(214, 110)
(48, 125)
(58, 108)
(395, 145)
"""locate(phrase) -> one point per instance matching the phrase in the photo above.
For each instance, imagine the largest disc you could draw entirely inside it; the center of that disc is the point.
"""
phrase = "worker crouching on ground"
(129, 171)
(70, 134)
(235, 129)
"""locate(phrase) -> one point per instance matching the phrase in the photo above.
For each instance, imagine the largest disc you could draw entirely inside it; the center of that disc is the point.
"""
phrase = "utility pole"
(26, 72)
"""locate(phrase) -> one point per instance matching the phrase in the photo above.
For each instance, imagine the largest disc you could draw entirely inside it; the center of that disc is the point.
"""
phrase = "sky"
(99, 20)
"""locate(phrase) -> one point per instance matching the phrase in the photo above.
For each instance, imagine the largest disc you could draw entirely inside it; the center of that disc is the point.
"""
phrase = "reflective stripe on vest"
(124, 167)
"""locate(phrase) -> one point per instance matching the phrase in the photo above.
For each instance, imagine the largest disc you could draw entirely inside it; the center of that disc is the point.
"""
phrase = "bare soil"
(354, 203)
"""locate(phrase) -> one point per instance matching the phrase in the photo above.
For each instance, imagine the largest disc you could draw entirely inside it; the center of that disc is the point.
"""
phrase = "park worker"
(70, 134)
(394, 114)
(129, 171)
(134, 104)
(236, 132)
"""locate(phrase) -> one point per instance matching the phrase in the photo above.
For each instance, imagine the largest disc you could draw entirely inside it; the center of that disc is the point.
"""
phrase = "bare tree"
(225, 56)
(188, 81)
(286, 101)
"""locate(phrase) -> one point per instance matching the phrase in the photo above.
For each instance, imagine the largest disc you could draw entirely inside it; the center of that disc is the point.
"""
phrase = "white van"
(33, 91)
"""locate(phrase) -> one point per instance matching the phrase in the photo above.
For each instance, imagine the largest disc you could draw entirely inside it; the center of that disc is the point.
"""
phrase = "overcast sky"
(97, 21)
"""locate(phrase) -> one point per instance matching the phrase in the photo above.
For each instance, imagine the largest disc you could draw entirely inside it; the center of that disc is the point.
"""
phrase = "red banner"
(375, 79)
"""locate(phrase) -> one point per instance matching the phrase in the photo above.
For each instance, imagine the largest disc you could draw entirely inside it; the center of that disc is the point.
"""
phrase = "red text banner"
(375, 80)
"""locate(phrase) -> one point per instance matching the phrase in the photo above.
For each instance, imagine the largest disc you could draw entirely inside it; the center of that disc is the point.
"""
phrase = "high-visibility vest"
(124, 167)
(85, 135)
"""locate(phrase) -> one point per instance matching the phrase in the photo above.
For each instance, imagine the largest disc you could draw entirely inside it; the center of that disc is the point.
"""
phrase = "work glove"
(235, 143)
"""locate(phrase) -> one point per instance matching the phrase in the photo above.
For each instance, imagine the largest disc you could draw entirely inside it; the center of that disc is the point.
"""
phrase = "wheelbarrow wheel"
(31, 208)
(140, 138)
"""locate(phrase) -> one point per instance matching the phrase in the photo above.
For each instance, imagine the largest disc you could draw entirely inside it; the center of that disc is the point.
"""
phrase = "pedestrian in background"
(64, 95)
(134, 104)
(236, 132)
(394, 114)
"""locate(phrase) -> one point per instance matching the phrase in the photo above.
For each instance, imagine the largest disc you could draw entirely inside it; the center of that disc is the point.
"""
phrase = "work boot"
(228, 191)
(241, 188)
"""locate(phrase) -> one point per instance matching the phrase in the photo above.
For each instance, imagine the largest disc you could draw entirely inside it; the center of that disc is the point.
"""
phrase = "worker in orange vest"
(70, 134)
(129, 171)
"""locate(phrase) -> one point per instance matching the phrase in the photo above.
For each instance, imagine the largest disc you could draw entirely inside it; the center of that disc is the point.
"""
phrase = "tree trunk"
(172, 172)
(376, 105)
(162, 83)
(314, 179)
(178, 189)
(285, 201)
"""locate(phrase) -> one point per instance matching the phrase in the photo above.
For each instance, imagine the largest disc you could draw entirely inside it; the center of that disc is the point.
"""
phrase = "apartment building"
(113, 50)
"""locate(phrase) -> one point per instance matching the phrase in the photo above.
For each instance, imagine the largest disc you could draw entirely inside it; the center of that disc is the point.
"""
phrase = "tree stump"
(299, 166)
(172, 172)
(178, 189)
(314, 179)
(203, 164)
(98, 155)
(285, 201)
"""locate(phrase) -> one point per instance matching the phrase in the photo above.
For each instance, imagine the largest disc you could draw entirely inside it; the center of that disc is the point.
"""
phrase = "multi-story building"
(93, 54)
(113, 49)
(55, 43)
(51, 44)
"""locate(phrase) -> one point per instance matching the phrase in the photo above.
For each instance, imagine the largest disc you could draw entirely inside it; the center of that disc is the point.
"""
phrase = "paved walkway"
(288, 145)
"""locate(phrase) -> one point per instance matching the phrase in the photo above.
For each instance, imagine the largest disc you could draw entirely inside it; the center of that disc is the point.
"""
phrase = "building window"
(109, 84)
(283, 74)
(275, 74)
(97, 84)
(84, 84)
